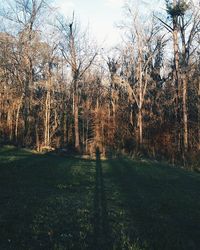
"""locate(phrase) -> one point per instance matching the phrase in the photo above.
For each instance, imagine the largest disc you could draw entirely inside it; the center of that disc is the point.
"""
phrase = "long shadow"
(102, 235)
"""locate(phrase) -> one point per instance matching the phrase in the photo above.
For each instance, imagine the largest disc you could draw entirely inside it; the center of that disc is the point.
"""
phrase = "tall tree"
(79, 55)
(184, 29)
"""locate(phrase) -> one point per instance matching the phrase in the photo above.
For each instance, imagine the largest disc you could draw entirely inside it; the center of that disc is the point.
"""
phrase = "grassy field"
(53, 202)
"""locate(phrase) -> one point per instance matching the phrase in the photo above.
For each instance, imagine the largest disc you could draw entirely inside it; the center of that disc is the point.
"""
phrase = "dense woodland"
(58, 89)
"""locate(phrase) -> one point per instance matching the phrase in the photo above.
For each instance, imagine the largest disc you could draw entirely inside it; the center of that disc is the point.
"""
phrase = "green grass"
(54, 202)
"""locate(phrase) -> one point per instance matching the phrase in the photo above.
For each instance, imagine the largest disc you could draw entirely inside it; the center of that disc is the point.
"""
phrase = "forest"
(99, 146)
(60, 90)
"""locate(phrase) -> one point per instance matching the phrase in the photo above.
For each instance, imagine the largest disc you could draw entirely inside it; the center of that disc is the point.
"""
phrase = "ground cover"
(56, 202)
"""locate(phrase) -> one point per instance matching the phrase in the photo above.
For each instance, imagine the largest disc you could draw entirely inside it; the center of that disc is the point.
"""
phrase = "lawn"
(59, 202)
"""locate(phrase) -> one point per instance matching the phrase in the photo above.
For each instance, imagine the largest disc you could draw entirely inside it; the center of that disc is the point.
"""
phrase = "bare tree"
(185, 25)
(25, 15)
(79, 55)
(140, 52)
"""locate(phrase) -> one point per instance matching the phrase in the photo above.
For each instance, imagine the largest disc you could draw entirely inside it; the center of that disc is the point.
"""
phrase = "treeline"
(59, 90)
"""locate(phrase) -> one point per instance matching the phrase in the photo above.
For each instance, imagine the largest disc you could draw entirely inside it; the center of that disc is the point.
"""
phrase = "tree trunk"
(131, 117)
(87, 135)
(184, 84)
(177, 77)
(140, 126)
(76, 123)
(97, 127)
(37, 140)
(65, 127)
(198, 107)
(17, 118)
(141, 98)
(75, 74)
(47, 120)
(185, 114)
(9, 124)
(26, 109)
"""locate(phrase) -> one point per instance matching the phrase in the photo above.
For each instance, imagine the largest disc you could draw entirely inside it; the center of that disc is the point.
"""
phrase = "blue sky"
(102, 15)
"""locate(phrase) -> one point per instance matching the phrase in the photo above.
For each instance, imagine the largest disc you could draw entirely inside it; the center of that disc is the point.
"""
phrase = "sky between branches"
(102, 15)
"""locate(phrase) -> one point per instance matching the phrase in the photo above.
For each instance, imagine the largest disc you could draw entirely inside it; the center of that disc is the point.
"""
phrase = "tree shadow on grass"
(102, 237)
(161, 204)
